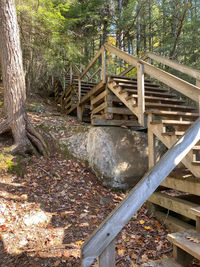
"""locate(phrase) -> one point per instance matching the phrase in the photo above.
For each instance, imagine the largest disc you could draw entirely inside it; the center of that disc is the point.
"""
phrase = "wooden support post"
(80, 112)
(151, 144)
(109, 100)
(198, 224)
(198, 82)
(140, 88)
(103, 69)
(79, 90)
(181, 256)
(107, 258)
(71, 73)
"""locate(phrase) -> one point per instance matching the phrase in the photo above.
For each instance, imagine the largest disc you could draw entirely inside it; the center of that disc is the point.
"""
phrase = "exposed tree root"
(5, 126)
(33, 144)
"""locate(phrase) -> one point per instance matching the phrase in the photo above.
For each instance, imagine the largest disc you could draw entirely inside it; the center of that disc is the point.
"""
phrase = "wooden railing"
(177, 66)
(143, 67)
(101, 243)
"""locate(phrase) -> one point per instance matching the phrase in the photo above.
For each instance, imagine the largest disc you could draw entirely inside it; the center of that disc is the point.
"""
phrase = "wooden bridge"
(167, 106)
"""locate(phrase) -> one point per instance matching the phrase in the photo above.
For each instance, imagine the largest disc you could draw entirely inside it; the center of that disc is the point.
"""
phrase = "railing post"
(103, 69)
(70, 73)
(140, 88)
(151, 143)
(198, 82)
(79, 89)
(107, 258)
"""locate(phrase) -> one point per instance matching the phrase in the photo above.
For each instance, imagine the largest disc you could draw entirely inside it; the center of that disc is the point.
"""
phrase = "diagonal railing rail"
(101, 243)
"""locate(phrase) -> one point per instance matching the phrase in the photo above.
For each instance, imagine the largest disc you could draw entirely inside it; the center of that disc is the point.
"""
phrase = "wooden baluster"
(140, 88)
(107, 258)
(71, 73)
(79, 90)
(198, 82)
(103, 69)
(151, 144)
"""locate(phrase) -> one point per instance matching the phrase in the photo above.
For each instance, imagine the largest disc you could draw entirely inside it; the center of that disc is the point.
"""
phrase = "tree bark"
(16, 119)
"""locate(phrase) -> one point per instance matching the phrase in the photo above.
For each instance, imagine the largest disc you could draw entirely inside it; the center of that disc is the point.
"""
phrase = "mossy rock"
(10, 163)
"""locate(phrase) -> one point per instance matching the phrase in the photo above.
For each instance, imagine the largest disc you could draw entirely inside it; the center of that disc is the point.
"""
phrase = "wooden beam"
(98, 98)
(172, 81)
(126, 71)
(92, 62)
(114, 223)
(175, 204)
(140, 90)
(121, 54)
(175, 65)
(99, 108)
(107, 258)
(79, 89)
(185, 183)
(103, 66)
(122, 111)
(151, 144)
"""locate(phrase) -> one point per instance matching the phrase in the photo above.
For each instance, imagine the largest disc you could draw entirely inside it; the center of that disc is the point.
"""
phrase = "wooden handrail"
(174, 82)
(92, 62)
(175, 65)
(102, 239)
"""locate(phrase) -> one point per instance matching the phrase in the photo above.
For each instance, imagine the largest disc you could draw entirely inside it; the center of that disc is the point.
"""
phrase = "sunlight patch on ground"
(25, 226)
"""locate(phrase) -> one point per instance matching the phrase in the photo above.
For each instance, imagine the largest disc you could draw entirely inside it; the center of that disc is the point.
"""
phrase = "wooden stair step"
(196, 211)
(128, 78)
(172, 122)
(134, 82)
(183, 240)
(131, 86)
(196, 148)
(169, 106)
(173, 113)
(164, 99)
(162, 263)
(196, 163)
(177, 133)
(148, 93)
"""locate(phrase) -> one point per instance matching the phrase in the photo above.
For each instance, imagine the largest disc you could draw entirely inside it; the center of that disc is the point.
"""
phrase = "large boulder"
(118, 156)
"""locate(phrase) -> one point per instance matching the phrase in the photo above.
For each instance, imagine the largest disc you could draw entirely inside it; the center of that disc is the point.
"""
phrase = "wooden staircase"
(166, 115)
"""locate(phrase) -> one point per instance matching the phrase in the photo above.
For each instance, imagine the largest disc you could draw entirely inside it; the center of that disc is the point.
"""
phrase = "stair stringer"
(169, 141)
(130, 104)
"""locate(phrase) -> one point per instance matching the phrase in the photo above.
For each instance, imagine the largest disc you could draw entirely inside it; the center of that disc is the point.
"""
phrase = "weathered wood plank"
(99, 108)
(177, 205)
(103, 59)
(141, 99)
(185, 183)
(116, 110)
(180, 240)
(98, 98)
(107, 258)
(108, 230)
(151, 144)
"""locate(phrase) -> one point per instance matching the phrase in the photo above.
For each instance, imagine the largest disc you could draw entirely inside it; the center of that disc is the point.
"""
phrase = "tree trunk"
(16, 118)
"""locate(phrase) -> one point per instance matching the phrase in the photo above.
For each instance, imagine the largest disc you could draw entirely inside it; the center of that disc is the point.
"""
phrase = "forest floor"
(49, 206)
